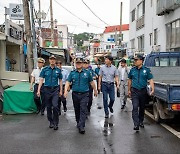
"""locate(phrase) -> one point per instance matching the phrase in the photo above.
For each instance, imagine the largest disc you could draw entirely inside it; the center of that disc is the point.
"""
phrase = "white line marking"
(170, 129)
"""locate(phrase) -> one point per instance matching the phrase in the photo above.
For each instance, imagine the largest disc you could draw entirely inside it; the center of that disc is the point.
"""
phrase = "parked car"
(165, 68)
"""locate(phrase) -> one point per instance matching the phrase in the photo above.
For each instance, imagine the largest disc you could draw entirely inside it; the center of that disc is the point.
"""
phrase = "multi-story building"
(154, 26)
(111, 37)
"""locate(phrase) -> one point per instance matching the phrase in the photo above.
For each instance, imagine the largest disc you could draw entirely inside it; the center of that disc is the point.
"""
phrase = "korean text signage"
(16, 12)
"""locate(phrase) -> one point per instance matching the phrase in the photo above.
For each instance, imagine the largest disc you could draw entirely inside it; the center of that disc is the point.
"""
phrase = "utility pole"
(40, 13)
(120, 31)
(34, 34)
(28, 35)
(52, 23)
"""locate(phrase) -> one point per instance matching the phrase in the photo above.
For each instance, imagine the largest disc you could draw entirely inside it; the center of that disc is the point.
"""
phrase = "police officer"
(80, 79)
(65, 74)
(86, 65)
(52, 75)
(107, 74)
(138, 78)
(123, 78)
(40, 102)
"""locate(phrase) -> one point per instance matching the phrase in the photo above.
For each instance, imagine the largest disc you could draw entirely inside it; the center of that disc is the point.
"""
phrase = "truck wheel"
(156, 114)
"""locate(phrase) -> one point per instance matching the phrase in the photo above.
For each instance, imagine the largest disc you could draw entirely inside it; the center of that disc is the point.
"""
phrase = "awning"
(56, 51)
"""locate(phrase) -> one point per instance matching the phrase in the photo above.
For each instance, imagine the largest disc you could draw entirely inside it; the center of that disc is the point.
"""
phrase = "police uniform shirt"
(140, 77)
(97, 71)
(108, 73)
(91, 72)
(51, 76)
(35, 73)
(80, 80)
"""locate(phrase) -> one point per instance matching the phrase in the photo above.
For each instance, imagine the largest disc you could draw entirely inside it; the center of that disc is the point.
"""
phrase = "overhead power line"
(77, 16)
(94, 13)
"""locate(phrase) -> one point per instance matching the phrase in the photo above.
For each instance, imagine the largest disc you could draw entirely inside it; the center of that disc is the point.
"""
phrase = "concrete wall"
(2, 55)
(152, 21)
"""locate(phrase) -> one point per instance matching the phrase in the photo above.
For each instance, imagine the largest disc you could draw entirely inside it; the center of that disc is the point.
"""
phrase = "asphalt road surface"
(29, 133)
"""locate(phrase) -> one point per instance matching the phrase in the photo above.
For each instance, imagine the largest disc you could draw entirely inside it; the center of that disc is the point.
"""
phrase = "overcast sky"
(107, 10)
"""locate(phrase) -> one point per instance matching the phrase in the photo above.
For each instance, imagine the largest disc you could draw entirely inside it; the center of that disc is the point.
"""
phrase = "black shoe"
(42, 113)
(55, 127)
(122, 107)
(141, 125)
(136, 127)
(51, 125)
(111, 109)
(81, 130)
(106, 115)
(65, 109)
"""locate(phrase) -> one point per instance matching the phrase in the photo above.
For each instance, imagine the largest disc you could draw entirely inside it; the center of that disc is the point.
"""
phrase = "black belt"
(122, 80)
(139, 89)
(80, 93)
(51, 87)
(108, 82)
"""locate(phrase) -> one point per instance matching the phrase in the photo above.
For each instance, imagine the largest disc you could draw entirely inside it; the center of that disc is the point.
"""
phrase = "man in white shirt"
(65, 75)
(123, 77)
(39, 101)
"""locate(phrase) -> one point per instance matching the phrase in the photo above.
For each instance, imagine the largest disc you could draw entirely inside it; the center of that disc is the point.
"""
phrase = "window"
(112, 36)
(173, 61)
(133, 15)
(173, 35)
(164, 61)
(141, 9)
(155, 36)
(108, 46)
(141, 43)
(133, 44)
(177, 33)
(156, 61)
(121, 36)
(168, 34)
(150, 39)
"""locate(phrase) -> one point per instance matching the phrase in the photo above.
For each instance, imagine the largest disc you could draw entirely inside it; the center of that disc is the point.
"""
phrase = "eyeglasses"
(59, 63)
(40, 62)
(136, 59)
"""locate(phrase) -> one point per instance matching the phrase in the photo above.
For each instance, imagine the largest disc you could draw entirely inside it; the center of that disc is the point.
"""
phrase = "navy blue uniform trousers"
(51, 99)
(90, 98)
(39, 101)
(139, 99)
(80, 102)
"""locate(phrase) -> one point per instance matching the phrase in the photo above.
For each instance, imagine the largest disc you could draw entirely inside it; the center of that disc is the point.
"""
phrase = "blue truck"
(165, 67)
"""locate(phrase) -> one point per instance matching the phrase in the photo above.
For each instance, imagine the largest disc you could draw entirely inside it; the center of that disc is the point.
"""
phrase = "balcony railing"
(166, 6)
(140, 23)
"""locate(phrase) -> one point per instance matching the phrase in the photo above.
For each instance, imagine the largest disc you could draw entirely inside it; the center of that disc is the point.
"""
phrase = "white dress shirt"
(35, 74)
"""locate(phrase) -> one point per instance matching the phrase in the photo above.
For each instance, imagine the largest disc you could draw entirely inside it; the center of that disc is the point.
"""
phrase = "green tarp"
(18, 99)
